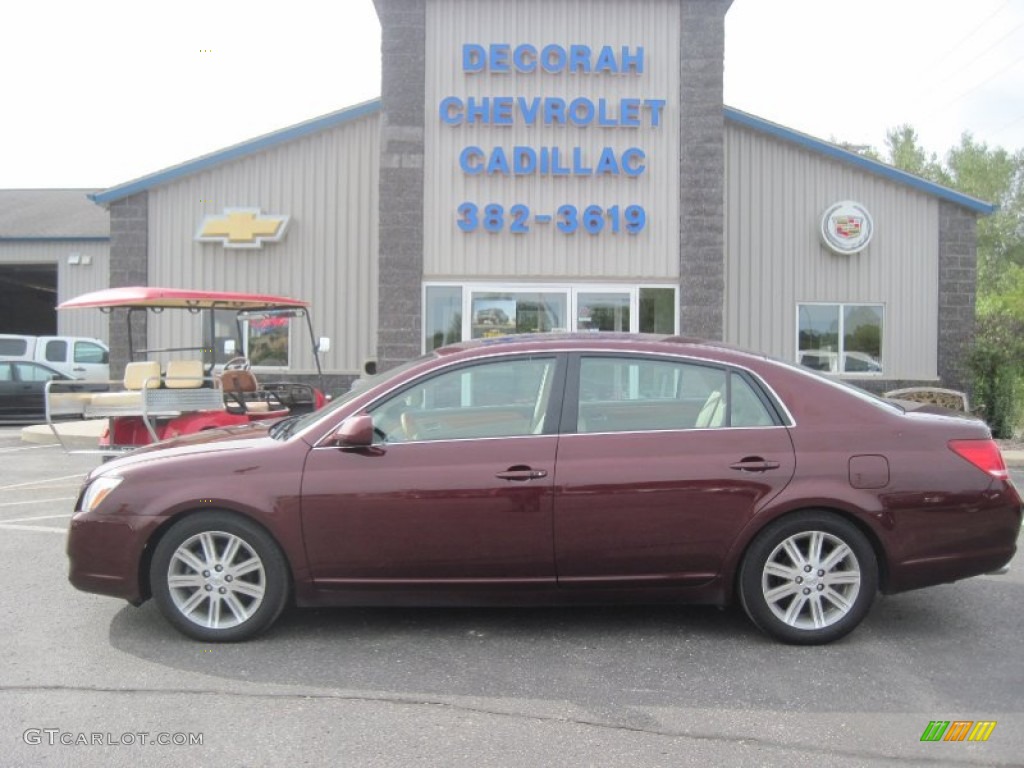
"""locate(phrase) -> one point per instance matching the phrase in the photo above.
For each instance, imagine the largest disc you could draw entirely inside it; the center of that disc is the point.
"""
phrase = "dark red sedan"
(556, 469)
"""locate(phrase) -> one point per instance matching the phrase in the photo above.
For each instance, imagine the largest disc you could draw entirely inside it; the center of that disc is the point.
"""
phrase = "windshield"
(295, 424)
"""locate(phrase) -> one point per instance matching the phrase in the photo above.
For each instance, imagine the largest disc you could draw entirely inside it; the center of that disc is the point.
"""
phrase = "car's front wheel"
(219, 577)
(809, 578)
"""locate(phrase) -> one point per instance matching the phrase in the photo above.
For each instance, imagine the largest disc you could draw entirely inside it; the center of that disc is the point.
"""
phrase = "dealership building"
(534, 166)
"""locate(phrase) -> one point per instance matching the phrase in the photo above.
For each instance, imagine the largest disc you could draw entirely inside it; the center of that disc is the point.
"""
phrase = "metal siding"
(327, 183)
(72, 280)
(776, 195)
(544, 252)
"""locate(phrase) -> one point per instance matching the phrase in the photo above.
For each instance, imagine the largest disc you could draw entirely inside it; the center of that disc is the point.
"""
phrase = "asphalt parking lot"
(91, 681)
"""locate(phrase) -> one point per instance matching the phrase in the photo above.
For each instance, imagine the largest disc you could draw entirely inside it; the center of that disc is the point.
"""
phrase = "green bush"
(997, 364)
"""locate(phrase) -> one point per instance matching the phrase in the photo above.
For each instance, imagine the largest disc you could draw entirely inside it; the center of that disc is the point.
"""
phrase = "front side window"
(496, 399)
(56, 351)
(87, 352)
(840, 338)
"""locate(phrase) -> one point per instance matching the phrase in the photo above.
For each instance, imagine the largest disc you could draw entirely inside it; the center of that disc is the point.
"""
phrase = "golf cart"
(171, 391)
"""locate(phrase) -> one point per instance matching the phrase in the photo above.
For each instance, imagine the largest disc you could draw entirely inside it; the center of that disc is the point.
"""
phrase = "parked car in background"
(566, 469)
(73, 356)
(23, 386)
(853, 362)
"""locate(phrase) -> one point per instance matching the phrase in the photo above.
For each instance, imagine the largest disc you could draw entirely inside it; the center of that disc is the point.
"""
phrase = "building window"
(657, 310)
(442, 322)
(477, 310)
(499, 313)
(840, 338)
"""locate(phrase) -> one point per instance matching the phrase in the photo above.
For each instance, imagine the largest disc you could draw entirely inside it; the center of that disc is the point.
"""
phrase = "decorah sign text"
(552, 161)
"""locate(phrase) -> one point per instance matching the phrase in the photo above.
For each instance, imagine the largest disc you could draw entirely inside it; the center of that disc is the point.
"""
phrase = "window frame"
(245, 324)
(570, 290)
(555, 394)
(776, 410)
(85, 344)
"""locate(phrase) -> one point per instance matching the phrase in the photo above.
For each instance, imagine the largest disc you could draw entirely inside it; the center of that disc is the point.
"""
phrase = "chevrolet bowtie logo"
(242, 228)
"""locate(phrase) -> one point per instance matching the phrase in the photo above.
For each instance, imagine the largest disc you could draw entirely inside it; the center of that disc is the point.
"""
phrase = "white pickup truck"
(73, 356)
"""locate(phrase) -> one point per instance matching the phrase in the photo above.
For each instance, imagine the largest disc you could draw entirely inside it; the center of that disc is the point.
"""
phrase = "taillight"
(984, 454)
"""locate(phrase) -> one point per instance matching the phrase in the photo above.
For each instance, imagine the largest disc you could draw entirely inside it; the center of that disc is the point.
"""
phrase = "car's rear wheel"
(809, 578)
(219, 577)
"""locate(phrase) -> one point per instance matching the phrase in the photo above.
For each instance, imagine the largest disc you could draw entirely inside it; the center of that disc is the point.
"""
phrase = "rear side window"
(56, 351)
(30, 372)
(13, 347)
(87, 352)
(5, 372)
(748, 410)
(622, 394)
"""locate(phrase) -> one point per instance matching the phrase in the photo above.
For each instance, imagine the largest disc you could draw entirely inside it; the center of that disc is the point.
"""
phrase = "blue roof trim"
(864, 163)
(238, 151)
(60, 239)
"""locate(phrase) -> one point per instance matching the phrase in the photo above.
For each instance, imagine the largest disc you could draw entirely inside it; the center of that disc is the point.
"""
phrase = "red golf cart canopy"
(147, 296)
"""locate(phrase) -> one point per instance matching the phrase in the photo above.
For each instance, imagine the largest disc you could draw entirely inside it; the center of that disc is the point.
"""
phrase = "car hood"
(208, 441)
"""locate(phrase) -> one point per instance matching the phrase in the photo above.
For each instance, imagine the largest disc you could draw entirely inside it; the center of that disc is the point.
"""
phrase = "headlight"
(98, 491)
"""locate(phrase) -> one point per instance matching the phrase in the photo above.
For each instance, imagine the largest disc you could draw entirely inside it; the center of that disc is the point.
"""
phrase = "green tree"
(997, 176)
(905, 153)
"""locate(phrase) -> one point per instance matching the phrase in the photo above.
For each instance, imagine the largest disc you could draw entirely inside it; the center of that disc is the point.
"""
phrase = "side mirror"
(323, 344)
(355, 432)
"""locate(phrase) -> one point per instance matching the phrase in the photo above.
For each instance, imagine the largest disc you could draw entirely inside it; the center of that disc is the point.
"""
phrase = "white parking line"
(30, 519)
(35, 501)
(41, 482)
(43, 528)
(29, 448)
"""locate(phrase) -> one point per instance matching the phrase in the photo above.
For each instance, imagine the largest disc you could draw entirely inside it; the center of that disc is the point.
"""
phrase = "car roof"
(603, 340)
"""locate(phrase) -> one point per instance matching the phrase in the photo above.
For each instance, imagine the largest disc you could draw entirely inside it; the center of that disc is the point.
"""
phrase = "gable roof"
(246, 148)
(51, 214)
(357, 111)
(863, 163)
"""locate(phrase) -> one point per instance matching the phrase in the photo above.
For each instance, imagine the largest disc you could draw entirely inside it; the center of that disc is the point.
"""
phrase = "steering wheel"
(238, 364)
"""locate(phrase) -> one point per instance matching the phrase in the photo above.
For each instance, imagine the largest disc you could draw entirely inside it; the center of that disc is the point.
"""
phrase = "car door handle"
(754, 464)
(521, 473)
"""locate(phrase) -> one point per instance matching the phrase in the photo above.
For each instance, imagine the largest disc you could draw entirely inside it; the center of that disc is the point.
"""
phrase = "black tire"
(808, 578)
(219, 596)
